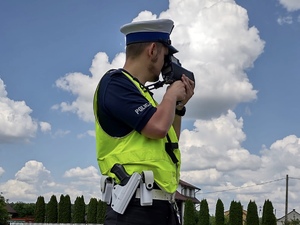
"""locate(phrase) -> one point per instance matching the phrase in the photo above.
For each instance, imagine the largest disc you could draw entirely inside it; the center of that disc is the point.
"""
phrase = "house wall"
(186, 191)
(293, 215)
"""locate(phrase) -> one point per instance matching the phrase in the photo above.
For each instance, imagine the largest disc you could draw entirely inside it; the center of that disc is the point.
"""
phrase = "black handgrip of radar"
(121, 174)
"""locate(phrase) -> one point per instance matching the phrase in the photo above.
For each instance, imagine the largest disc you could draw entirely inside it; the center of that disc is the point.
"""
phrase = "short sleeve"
(122, 108)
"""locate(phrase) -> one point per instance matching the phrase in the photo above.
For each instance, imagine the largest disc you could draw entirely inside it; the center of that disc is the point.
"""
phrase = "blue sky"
(241, 128)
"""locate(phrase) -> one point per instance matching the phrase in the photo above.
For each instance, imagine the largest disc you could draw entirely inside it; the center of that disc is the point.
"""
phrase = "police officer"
(132, 129)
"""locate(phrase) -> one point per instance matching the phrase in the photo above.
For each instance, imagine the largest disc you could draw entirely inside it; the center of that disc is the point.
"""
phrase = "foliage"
(39, 213)
(92, 211)
(252, 215)
(268, 217)
(61, 206)
(79, 210)
(189, 216)
(219, 214)
(226, 220)
(52, 210)
(235, 213)
(64, 209)
(203, 213)
(101, 210)
(96, 212)
(68, 209)
(3, 211)
(293, 222)
(212, 220)
(23, 209)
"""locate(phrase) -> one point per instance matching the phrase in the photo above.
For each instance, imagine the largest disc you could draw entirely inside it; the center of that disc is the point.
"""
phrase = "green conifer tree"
(3, 211)
(79, 210)
(203, 213)
(92, 211)
(219, 215)
(240, 213)
(52, 210)
(189, 216)
(61, 210)
(232, 212)
(40, 210)
(252, 214)
(64, 209)
(268, 217)
(68, 209)
(235, 213)
(101, 210)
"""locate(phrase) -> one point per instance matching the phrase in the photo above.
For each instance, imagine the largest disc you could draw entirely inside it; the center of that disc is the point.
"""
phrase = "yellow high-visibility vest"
(136, 152)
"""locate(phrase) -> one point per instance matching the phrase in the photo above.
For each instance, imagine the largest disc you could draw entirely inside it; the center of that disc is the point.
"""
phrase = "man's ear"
(152, 50)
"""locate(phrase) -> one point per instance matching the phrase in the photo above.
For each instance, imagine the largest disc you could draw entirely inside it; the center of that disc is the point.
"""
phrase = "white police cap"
(149, 31)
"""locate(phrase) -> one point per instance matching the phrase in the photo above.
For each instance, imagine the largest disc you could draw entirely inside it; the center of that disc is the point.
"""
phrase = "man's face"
(157, 61)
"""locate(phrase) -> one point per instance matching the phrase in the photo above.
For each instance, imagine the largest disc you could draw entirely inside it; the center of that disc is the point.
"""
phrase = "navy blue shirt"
(121, 106)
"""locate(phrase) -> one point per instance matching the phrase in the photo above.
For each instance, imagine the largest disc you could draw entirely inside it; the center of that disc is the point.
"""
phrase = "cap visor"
(172, 50)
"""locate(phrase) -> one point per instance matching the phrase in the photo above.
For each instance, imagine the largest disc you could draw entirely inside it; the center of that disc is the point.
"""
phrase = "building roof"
(10, 210)
(21, 220)
(290, 214)
(181, 197)
(186, 184)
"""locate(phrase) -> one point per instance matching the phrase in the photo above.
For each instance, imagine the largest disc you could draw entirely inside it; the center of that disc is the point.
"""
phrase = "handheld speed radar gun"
(171, 72)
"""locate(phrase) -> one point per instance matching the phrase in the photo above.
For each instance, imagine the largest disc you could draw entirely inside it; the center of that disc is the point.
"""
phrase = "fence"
(23, 223)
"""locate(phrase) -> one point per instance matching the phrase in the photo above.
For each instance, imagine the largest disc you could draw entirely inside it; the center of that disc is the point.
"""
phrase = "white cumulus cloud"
(89, 173)
(218, 51)
(16, 124)
(290, 5)
(83, 181)
(216, 43)
(216, 145)
(285, 20)
(237, 174)
(2, 171)
(83, 86)
(226, 171)
(33, 172)
(45, 127)
(30, 181)
(34, 180)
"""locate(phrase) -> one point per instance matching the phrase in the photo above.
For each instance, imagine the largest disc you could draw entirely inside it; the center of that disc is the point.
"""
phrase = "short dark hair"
(134, 50)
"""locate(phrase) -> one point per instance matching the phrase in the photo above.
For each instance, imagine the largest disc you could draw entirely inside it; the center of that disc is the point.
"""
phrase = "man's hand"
(176, 91)
(189, 89)
(182, 89)
(161, 121)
